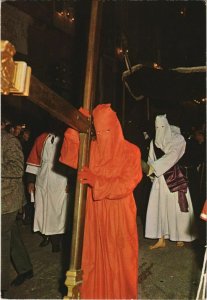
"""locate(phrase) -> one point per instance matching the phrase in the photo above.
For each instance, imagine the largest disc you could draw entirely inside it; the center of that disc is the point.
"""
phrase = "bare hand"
(86, 176)
(31, 188)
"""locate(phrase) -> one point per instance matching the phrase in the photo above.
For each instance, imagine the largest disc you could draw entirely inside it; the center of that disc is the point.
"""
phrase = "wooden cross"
(57, 106)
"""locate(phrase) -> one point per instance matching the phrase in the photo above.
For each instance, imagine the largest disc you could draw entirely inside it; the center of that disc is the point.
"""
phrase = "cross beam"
(58, 107)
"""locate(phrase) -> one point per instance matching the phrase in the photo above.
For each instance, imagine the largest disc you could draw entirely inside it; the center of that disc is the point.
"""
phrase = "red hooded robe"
(110, 247)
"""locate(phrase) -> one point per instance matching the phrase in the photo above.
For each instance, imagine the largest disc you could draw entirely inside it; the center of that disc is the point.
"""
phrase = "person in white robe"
(165, 218)
(49, 190)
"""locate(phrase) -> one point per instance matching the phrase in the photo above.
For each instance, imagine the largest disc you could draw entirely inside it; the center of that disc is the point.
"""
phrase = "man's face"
(17, 130)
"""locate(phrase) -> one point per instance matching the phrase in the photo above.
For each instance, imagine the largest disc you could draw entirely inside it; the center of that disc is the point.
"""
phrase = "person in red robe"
(110, 246)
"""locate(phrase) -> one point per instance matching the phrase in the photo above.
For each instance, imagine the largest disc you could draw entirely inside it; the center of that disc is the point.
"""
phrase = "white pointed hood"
(163, 132)
(166, 134)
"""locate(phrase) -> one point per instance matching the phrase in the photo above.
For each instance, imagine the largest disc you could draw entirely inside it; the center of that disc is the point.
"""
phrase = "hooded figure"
(170, 212)
(47, 179)
(110, 247)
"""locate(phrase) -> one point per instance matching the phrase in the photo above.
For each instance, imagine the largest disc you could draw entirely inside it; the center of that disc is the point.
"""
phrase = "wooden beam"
(58, 107)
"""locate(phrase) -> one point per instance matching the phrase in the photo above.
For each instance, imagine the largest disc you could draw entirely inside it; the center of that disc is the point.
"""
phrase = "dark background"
(169, 33)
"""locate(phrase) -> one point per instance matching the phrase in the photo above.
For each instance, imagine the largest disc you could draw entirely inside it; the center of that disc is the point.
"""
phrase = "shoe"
(22, 277)
(45, 242)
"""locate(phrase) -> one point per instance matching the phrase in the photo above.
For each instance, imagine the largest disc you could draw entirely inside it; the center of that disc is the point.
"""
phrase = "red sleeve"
(125, 182)
(36, 152)
(70, 148)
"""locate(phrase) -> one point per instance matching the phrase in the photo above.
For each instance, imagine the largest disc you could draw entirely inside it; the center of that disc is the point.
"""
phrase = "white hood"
(163, 132)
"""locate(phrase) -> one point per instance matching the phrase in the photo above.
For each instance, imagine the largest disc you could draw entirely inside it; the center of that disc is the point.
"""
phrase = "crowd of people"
(170, 175)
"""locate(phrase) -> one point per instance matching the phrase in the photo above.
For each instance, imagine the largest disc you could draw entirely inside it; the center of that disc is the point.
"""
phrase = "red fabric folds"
(70, 147)
(35, 155)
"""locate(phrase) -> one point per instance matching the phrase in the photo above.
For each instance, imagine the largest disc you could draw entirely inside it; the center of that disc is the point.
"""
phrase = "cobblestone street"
(168, 273)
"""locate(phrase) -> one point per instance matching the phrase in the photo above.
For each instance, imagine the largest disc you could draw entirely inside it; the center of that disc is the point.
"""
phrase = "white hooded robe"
(164, 217)
(51, 199)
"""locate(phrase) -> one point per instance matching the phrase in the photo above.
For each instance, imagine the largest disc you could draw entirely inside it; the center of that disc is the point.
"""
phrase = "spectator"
(25, 139)
(17, 130)
(199, 137)
(28, 209)
(12, 168)
(194, 161)
(6, 124)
